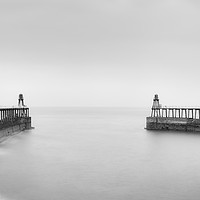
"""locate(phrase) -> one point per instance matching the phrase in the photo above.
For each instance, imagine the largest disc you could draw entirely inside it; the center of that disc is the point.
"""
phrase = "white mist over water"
(98, 154)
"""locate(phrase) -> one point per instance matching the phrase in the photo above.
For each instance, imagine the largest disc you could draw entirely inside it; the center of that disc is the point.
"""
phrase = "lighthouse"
(21, 101)
(155, 110)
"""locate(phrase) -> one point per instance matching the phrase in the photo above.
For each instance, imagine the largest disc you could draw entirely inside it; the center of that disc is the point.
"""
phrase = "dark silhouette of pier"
(10, 117)
(13, 120)
(173, 118)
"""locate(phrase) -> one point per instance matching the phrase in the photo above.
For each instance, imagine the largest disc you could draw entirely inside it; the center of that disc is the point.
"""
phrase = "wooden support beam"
(151, 112)
(186, 113)
(168, 112)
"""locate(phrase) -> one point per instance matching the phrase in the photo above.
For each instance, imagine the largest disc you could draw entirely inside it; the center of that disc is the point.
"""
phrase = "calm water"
(98, 154)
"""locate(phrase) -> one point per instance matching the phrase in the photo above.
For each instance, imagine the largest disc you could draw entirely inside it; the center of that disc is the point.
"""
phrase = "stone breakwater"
(181, 124)
(13, 121)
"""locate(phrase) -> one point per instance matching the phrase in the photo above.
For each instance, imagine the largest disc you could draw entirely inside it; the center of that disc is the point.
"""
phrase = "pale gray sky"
(100, 53)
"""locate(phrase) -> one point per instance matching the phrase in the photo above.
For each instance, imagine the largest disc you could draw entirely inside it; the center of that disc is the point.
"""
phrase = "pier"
(13, 116)
(173, 118)
(14, 120)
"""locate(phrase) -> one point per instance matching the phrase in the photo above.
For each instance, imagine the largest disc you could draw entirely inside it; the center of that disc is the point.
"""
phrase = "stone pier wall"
(14, 127)
(170, 123)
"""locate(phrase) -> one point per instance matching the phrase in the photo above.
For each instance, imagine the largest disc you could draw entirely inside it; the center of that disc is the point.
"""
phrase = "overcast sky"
(100, 53)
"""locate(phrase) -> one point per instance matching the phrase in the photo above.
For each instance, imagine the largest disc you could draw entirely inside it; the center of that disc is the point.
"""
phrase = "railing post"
(152, 112)
(185, 113)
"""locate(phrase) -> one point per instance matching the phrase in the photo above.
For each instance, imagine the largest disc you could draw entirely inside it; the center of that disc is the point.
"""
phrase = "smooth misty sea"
(98, 154)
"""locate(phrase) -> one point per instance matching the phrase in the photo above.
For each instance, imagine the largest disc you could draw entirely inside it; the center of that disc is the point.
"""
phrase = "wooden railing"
(188, 113)
(11, 114)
